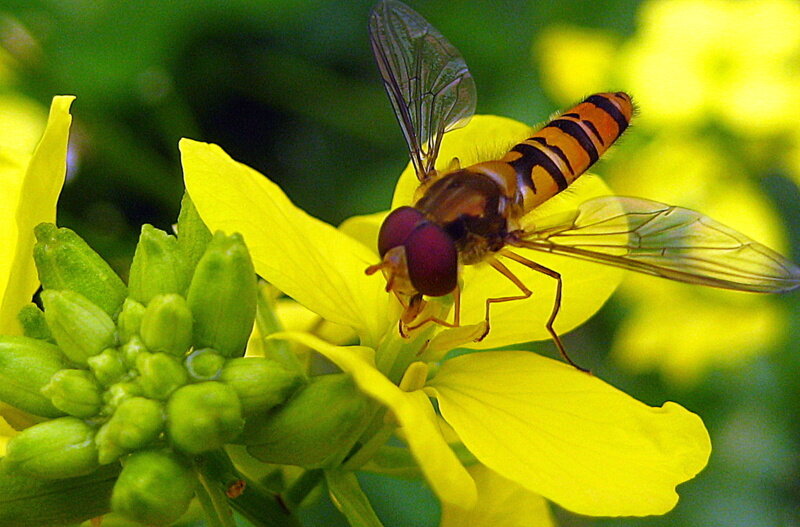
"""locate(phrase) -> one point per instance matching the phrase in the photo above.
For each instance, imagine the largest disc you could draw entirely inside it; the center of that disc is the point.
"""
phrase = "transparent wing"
(663, 240)
(427, 80)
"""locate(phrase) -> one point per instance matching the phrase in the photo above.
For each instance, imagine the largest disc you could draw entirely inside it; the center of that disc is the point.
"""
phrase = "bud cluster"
(148, 374)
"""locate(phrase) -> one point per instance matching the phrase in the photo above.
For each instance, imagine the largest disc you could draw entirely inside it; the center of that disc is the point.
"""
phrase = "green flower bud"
(80, 328)
(158, 267)
(130, 319)
(160, 374)
(108, 366)
(60, 448)
(33, 323)
(260, 383)
(34, 502)
(75, 392)
(167, 325)
(204, 365)
(117, 393)
(317, 427)
(131, 349)
(203, 417)
(136, 423)
(222, 296)
(193, 235)
(66, 262)
(26, 365)
(155, 488)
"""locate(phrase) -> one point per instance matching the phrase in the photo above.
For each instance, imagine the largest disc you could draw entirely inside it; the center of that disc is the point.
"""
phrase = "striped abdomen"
(548, 162)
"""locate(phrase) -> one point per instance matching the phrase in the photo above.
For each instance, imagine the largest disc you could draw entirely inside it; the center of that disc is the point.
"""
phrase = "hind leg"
(525, 293)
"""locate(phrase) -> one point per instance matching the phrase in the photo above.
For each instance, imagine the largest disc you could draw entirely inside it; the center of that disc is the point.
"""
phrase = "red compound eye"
(396, 228)
(432, 260)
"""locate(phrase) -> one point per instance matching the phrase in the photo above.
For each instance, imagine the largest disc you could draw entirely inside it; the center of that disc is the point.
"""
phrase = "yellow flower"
(692, 332)
(29, 187)
(564, 50)
(692, 63)
(536, 426)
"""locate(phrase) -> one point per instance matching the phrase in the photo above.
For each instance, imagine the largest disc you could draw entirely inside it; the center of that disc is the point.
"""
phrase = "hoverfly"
(463, 216)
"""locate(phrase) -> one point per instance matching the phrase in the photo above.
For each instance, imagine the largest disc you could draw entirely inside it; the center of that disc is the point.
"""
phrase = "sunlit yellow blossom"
(691, 61)
(732, 59)
(692, 64)
(30, 185)
(564, 50)
(546, 427)
(694, 330)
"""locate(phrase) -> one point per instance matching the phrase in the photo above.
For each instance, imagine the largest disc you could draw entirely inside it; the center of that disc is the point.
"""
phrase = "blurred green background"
(290, 88)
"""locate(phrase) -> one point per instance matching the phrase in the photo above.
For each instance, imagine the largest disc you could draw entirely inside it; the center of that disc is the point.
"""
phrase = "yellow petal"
(21, 121)
(364, 228)
(6, 433)
(501, 503)
(413, 410)
(707, 329)
(569, 436)
(29, 189)
(307, 259)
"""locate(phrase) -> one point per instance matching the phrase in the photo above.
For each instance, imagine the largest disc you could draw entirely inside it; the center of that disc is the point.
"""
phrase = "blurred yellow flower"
(565, 50)
(690, 62)
(734, 61)
(536, 426)
(693, 64)
(693, 331)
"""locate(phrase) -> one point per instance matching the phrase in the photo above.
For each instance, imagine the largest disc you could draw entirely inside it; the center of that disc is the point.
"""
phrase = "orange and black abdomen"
(549, 161)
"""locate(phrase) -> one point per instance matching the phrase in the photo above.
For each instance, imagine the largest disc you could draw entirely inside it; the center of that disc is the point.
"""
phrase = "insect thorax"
(472, 209)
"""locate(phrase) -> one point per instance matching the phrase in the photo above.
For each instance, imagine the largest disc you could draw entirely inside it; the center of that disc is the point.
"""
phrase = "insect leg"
(456, 316)
(527, 292)
(505, 271)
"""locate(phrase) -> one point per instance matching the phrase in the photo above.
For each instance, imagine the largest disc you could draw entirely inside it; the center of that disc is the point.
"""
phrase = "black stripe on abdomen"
(556, 150)
(611, 109)
(577, 132)
(532, 157)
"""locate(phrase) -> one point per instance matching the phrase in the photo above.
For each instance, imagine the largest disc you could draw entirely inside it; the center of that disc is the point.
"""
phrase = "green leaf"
(348, 497)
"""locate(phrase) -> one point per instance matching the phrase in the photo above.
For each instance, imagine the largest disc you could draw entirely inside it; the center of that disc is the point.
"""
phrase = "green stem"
(263, 508)
(369, 449)
(214, 502)
(268, 324)
(301, 488)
